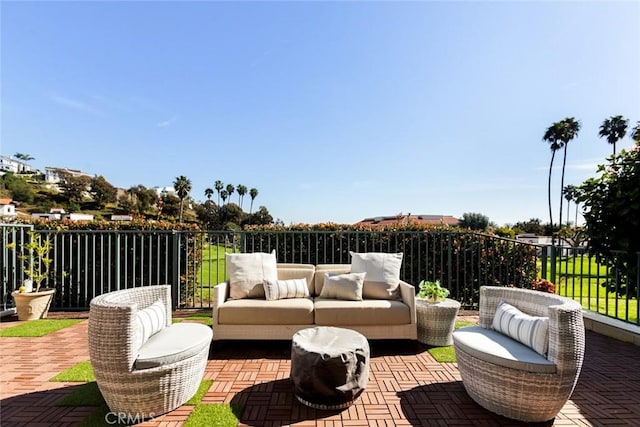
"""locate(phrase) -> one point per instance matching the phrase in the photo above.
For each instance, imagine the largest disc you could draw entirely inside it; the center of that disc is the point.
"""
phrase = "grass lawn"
(212, 270)
(447, 354)
(38, 327)
(581, 277)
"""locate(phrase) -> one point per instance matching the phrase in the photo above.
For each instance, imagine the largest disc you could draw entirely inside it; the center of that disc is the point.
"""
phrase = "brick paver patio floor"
(406, 386)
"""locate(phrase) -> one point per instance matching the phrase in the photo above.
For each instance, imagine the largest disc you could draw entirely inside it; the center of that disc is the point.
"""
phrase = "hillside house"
(7, 209)
(400, 219)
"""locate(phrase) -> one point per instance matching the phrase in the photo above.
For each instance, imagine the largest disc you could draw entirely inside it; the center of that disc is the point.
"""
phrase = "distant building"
(381, 221)
(52, 175)
(7, 209)
(78, 217)
(163, 191)
(115, 217)
(47, 216)
(9, 164)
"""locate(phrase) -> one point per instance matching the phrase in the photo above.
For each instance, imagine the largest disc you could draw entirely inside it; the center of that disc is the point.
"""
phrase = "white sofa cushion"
(343, 286)
(293, 311)
(173, 344)
(531, 331)
(247, 273)
(494, 347)
(283, 289)
(382, 273)
(368, 312)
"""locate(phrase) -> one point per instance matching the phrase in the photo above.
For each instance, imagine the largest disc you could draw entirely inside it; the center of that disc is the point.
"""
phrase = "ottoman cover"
(329, 366)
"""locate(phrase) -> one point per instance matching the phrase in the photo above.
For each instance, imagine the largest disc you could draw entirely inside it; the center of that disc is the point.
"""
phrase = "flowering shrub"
(543, 285)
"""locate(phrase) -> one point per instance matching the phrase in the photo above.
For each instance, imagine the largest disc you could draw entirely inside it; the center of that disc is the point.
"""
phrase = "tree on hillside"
(253, 193)
(219, 186)
(208, 192)
(17, 187)
(170, 206)
(73, 187)
(611, 209)
(242, 190)
(230, 189)
(614, 129)
(102, 191)
(140, 199)
(183, 187)
(474, 221)
(533, 226)
(224, 194)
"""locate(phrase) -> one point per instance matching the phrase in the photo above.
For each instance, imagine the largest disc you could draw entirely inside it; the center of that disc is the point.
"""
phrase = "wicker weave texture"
(112, 349)
(436, 321)
(522, 395)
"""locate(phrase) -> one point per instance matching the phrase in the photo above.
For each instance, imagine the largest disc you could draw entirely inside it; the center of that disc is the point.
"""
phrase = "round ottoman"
(329, 366)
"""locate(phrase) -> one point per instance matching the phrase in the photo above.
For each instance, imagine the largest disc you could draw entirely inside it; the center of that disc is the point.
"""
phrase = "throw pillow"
(247, 273)
(149, 321)
(531, 331)
(343, 286)
(283, 289)
(382, 280)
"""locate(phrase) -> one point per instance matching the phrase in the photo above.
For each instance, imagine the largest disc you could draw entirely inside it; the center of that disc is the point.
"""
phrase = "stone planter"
(33, 305)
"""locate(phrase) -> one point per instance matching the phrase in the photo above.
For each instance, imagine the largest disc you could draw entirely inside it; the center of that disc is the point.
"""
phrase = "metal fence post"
(175, 270)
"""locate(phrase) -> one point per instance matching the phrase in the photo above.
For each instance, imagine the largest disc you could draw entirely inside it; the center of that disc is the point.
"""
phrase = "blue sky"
(334, 111)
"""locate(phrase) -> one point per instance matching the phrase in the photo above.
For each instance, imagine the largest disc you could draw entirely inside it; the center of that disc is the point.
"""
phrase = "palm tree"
(208, 192)
(224, 195)
(230, 190)
(183, 187)
(242, 190)
(570, 194)
(218, 185)
(570, 129)
(253, 193)
(614, 129)
(552, 137)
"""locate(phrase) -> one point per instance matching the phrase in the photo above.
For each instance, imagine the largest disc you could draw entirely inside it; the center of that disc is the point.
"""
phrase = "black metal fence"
(86, 263)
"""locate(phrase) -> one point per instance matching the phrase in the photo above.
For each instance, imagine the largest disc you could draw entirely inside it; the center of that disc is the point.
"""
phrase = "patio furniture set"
(522, 361)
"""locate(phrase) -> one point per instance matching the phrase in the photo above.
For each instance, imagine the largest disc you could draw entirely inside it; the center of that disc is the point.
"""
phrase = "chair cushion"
(531, 331)
(283, 289)
(494, 347)
(343, 286)
(173, 344)
(382, 273)
(293, 311)
(247, 273)
(333, 312)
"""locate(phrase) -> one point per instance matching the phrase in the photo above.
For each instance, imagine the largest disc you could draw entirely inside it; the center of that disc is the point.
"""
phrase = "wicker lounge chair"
(176, 356)
(511, 379)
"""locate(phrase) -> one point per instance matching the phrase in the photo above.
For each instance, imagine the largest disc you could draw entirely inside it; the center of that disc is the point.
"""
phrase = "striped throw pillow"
(531, 331)
(150, 320)
(283, 289)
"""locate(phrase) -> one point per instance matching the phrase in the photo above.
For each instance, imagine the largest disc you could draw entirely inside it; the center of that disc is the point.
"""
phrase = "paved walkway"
(406, 387)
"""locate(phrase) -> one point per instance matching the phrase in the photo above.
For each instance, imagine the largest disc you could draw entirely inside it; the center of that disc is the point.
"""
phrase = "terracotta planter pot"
(33, 305)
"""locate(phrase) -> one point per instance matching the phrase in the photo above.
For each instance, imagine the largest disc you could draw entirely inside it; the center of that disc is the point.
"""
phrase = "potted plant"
(32, 302)
(432, 292)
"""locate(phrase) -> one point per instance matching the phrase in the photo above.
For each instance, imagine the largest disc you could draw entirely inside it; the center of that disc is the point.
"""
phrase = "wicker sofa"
(510, 378)
(143, 363)
(260, 319)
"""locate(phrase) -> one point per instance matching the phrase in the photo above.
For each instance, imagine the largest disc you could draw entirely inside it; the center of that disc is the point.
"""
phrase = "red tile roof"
(410, 219)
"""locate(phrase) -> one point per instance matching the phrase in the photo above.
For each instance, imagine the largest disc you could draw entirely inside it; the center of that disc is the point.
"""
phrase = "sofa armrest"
(220, 292)
(408, 295)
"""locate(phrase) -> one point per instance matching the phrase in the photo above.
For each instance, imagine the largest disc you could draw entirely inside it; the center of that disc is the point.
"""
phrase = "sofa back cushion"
(297, 271)
(382, 270)
(321, 269)
(247, 273)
